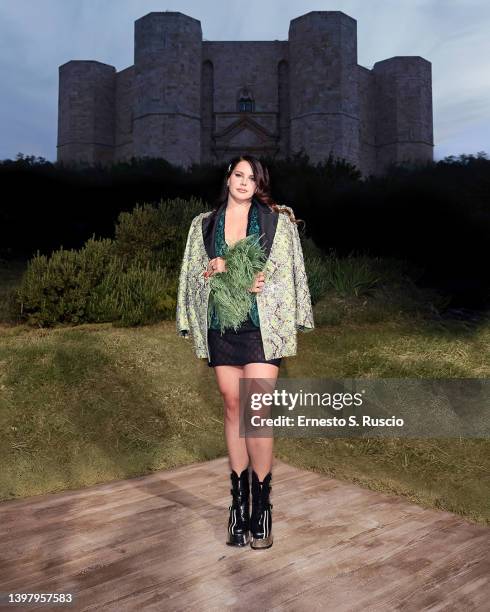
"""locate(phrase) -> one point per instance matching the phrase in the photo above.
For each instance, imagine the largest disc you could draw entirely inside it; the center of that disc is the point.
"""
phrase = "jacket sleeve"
(181, 316)
(304, 310)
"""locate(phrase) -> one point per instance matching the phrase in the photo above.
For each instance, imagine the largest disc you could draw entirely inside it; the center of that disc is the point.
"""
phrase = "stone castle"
(190, 100)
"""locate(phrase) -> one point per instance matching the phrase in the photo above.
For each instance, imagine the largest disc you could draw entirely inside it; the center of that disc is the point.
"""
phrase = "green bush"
(347, 276)
(354, 275)
(156, 235)
(130, 280)
(351, 275)
(315, 269)
(318, 283)
(56, 289)
(94, 285)
(133, 296)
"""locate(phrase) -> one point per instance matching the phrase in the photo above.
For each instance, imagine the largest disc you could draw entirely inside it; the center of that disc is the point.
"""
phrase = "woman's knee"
(232, 406)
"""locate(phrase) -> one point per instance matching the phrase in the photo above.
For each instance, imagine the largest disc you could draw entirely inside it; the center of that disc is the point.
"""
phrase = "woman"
(281, 305)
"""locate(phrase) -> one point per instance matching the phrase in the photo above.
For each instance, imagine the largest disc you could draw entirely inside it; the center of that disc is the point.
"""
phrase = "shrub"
(351, 275)
(315, 269)
(131, 280)
(133, 296)
(94, 285)
(347, 276)
(156, 235)
(56, 289)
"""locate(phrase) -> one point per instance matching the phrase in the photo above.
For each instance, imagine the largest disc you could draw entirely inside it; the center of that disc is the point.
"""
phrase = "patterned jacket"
(284, 304)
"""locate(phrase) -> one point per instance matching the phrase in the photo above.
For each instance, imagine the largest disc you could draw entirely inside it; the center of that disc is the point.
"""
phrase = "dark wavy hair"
(262, 182)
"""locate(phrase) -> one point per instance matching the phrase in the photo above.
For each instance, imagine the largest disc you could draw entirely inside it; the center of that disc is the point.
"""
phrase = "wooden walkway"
(158, 543)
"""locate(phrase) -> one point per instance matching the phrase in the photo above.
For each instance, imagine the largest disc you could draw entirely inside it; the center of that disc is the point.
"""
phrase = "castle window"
(246, 103)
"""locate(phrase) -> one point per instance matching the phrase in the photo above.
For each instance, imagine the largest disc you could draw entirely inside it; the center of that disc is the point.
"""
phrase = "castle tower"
(86, 112)
(403, 97)
(324, 102)
(167, 87)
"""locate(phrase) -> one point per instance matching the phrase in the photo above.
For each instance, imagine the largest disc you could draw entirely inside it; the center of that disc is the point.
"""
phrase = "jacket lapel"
(267, 219)
(209, 227)
(268, 224)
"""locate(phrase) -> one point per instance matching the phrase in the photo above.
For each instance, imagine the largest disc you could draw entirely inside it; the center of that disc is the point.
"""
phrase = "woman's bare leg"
(260, 448)
(228, 378)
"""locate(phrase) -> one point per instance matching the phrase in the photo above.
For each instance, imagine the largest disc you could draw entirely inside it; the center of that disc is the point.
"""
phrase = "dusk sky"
(37, 36)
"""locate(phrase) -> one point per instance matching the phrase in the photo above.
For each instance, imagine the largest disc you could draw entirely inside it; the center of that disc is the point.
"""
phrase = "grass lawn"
(93, 403)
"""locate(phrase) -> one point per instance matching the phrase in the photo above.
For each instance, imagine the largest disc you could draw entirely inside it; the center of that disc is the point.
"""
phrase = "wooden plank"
(158, 542)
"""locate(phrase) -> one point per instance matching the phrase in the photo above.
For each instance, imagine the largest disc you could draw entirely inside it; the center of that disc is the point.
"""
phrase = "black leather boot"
(239, 520)
(261, 520)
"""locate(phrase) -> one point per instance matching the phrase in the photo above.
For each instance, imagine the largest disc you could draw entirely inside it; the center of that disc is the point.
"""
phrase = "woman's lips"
(243, 190)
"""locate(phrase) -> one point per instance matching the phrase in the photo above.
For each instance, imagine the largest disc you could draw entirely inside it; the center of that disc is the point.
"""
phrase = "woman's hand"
(258, 283)
(218, 264)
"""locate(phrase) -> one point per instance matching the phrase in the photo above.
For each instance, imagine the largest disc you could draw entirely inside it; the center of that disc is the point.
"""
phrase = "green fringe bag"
(229, 290)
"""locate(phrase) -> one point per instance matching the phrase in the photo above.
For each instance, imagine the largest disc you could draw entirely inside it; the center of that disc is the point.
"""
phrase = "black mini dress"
(245, 344)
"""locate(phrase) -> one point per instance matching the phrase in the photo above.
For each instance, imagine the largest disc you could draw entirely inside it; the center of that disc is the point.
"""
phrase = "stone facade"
(193, 101)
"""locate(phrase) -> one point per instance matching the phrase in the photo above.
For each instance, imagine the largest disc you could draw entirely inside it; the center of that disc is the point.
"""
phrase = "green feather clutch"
(229, 290)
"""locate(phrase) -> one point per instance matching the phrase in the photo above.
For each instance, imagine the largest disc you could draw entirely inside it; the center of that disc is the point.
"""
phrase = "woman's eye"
(237, 174)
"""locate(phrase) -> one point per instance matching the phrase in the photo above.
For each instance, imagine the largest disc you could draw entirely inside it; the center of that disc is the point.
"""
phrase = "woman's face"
(241, 182)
